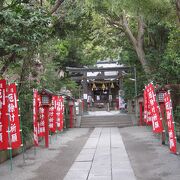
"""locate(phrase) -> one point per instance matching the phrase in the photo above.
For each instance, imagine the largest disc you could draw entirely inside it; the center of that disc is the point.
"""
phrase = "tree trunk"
(178, 9)
(142, 59)
(1, 4)
(5, 66)
(56, 6)
(24, 74)
(137, 42)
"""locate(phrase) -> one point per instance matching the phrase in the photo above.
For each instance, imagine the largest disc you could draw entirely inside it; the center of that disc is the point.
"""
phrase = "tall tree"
(56, 6)
(133, 17)
(137, 42)
(177, 3)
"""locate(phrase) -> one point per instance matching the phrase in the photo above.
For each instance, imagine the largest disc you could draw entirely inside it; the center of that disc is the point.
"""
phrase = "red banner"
(170, 122)
(35, 116)
(41, 124)
(14, 126)
(147, 112)
(147, 115)
(3, 116)
(62, 112)
(52, 115)
(154, 109)
(58, 113)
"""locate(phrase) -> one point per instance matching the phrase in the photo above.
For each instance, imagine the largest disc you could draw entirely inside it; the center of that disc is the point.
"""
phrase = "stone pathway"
(103, 157)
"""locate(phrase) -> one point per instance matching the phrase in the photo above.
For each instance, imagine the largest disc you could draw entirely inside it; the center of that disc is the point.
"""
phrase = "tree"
(177, 3)
(130, 16)
(22, 28)
(56, 6)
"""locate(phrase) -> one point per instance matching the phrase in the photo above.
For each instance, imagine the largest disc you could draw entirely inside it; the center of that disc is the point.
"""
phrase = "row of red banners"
(55, 118)
(10, 135)
(152, 114)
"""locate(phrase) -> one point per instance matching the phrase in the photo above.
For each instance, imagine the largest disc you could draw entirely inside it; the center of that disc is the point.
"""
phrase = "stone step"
(103, 121)
(100, 117)
(98, 122)
(105, 125)
(106, 121)
(106, 118)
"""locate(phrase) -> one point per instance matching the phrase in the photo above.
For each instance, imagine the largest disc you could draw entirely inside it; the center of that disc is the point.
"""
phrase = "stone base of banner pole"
(163, 137)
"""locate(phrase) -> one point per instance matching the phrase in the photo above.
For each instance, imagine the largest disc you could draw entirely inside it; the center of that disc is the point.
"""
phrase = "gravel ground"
(149, 158)
(52, 163)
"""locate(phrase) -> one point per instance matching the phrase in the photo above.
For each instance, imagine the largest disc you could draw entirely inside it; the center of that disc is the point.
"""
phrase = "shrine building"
(101, 84)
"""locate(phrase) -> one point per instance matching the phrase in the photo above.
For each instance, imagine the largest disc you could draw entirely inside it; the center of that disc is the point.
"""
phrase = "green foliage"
(52, 52)
(52, 2)
(173, 47)
(129, 88)
(162, 48)
(68, 54)
(23, 27)
(177, 114)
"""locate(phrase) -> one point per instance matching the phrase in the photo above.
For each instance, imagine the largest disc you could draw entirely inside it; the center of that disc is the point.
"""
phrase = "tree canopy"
(77, 32)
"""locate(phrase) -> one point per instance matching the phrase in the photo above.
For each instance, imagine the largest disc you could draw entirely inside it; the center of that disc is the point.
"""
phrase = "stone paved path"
(103, 157)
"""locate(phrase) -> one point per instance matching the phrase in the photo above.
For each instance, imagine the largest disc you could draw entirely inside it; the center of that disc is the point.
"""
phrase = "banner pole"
(56, 134)
(22, 137)
(9, 135)
(10, 144)
(34, 150)
(10, 154)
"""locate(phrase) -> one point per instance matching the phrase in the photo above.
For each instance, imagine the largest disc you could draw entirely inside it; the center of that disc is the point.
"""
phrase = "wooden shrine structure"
(99, 84)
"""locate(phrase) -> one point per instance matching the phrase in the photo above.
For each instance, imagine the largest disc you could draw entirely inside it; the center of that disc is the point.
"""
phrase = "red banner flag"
(62, 112)
(35, 116)
(14, 123)
(41, 124)
(154, 109)
(147, 114)
(58, 113)
(52, 115)
(170, 122)
(3, 116)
